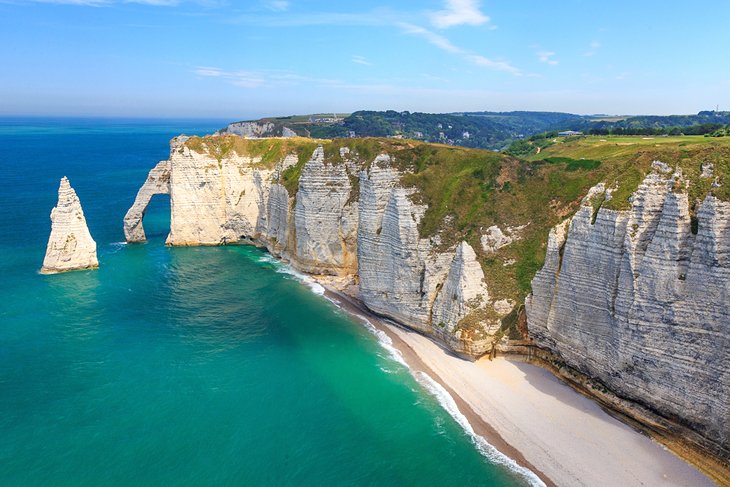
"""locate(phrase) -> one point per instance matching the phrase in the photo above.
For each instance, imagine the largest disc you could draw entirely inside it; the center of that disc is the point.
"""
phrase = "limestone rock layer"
(642, 304)
(351, 219)
(158, 182)
(637, 300)
(70, 246)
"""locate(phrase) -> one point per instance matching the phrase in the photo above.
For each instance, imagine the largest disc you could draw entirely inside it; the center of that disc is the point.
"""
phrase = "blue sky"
(210, 58)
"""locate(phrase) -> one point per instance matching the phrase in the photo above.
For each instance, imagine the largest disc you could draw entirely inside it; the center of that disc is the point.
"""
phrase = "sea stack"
(70, 246)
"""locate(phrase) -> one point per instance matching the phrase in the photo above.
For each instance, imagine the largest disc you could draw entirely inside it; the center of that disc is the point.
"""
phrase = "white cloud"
(458, 12)
(156, 3)
(436, 39)
(244, 79)
(260, 78)
(204, 71)
(277, 5)
(593, 47)
(547, 57)
(375, 18)
(446, 45)
(83, 3)
(492, 64)
(361, 60)
(104, 3)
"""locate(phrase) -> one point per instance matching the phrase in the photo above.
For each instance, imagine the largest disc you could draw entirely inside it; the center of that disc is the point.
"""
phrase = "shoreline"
(416, 365)
(539, 426)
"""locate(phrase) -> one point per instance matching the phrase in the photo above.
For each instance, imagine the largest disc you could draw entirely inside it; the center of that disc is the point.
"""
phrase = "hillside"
(485, 130)
(466, 192)
(605, 257)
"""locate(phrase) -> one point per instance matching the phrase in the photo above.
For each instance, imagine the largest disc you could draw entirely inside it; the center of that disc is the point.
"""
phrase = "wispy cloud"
(431, 77)
(445, 44)
(361, 60)
(378, 17)
(593, 48)
(156, 3)
(105, 3)
(433, 38)
(260, 78)
(83, 3)
(458, 12)
(277, 5)
(243, 79)
(546, 57)
(492, 64)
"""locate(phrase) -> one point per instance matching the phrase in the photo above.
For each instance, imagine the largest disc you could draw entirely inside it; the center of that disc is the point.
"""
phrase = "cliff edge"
(619, 249)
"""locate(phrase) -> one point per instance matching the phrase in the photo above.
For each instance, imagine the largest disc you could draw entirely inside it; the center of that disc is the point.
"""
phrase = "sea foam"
(282, 268)
(447, 402)
(427, 382)
(484, 447)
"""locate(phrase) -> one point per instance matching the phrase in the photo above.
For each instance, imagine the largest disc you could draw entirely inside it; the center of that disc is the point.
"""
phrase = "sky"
(248, 59)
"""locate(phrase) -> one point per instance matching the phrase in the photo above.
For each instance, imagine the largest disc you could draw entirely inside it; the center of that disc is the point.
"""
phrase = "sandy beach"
(537, 420)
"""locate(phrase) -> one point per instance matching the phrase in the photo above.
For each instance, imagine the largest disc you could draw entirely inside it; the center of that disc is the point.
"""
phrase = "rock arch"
(158, 182)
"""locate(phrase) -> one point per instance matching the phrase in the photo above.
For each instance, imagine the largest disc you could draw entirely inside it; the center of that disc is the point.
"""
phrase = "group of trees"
(497, 130)
(720, 132)
(699, 129)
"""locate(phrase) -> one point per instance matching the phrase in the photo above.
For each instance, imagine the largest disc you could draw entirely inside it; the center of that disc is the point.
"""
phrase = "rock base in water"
(70, 246)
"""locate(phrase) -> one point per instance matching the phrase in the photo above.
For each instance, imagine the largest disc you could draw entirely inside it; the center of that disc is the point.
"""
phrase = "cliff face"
(638, 301)
(70, 246)
(325, 220)
(349, 216)
(444, 240)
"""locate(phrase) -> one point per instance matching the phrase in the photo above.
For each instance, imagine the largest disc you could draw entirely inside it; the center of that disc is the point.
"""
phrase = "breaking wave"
(282, 268)
(484, 447)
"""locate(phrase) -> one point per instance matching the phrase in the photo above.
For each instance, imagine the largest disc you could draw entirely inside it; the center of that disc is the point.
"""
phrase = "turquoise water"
(187, 366)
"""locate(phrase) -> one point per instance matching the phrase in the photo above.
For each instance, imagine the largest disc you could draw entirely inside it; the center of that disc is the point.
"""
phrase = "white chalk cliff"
(158, 182)
(351, 218)
(634, 299)
(70, 246)
(641, 303)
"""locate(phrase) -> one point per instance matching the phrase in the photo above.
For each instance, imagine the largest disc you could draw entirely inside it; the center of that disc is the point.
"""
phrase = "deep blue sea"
(188, 366)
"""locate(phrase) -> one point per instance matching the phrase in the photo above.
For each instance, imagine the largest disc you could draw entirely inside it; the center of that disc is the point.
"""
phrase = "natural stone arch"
(158, 182)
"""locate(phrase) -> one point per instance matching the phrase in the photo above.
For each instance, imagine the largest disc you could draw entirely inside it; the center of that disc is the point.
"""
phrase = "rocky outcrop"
(458, 311)
(70, 246)
(463, 290)
(215, 201)
(250, 129)
(639, 302)
(635, 300)
(157, 182)
(255, 130)
(350, 218)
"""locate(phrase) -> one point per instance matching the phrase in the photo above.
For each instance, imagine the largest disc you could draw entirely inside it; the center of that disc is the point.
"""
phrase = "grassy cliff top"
(468, 190)
(628, 160)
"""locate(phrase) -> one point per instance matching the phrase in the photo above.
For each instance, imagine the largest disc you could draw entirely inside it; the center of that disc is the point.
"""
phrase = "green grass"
(267, 153)
(628, 159)
(468, 190)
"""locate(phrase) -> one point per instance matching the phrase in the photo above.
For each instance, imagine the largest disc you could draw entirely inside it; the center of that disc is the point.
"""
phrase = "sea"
(192, 366)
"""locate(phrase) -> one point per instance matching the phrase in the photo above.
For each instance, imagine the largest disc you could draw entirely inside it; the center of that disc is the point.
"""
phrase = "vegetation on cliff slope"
(468, 190)
(628, 159)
